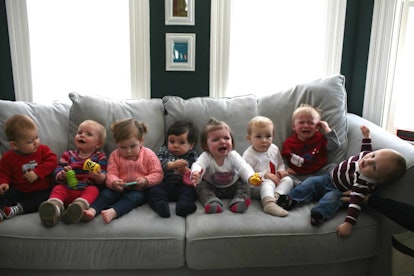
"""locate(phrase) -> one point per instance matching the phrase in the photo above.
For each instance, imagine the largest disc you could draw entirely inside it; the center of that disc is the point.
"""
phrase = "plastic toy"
(71, 178)
(91, 166)
(256, 180)
(131, 183)
(187, 178)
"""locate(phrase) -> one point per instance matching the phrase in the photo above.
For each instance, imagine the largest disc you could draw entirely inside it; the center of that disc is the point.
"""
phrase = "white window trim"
(219, 47)
(140, 49)
(20, 49)
(381, 60)
(220, 38)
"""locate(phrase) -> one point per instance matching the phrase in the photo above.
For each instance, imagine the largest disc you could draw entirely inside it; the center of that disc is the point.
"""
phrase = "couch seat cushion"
(255, 239)
(139, 240)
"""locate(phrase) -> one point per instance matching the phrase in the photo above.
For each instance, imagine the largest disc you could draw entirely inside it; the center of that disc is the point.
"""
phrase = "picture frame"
(179, 12)
(180, 51)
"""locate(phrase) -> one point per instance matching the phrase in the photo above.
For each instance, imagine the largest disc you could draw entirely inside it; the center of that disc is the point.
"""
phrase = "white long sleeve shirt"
(233, 168)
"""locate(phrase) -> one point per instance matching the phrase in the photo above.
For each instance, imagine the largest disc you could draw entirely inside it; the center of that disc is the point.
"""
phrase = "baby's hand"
(282, 174)
(61, 175)
(274, 177)
(365, 132)
(196, 177)
(180, 163)
(177, 164)
(344, 229)
(98, 177)
(324, 126)
(291, 171)
(118, 185)
(346, 196)
(3, 188)
(30, 176)
(142, 183)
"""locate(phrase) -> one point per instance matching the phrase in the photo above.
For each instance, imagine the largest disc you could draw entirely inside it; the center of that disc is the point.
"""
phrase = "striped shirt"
(345, 176)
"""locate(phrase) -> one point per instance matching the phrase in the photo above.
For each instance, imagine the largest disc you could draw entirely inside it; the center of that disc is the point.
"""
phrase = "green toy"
(71, 178)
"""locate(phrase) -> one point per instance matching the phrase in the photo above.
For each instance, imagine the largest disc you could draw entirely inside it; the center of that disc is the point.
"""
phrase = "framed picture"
(179, 12)
(180, 52)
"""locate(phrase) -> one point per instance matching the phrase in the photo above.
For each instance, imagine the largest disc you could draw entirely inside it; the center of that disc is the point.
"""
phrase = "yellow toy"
(91, 166)
(256, 180)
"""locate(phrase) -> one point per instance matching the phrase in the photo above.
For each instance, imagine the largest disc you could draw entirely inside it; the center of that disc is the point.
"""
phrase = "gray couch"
(143, 243)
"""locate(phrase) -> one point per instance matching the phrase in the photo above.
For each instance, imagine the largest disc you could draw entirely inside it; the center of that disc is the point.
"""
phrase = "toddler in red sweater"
(25, 170)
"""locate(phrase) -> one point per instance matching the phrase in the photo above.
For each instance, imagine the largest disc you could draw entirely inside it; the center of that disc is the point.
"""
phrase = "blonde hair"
(259, 121)
(213, 125)
(307, 110)
(16, 125)
(127, 128)
(101, 130)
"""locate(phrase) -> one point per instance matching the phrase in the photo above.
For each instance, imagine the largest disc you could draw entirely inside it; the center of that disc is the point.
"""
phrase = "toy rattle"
(91, 166)
(71, 178)
(255, 180)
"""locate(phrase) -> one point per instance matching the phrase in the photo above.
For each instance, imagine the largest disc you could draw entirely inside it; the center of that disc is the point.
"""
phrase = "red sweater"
(313, 152)
(14, 164)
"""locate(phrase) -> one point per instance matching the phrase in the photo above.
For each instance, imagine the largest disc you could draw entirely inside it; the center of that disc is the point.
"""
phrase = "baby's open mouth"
(222, 149)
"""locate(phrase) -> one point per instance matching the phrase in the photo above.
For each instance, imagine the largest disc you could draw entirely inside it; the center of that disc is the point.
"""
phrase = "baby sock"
(13, 210)
(286, 202)
(162, 208)
(241, 206)
(270, 207)
(183, 209)
(213, 207)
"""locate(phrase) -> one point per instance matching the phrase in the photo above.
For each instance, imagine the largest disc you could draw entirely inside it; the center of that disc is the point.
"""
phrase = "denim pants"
(122, 202)
(319, 188)
(29, 201)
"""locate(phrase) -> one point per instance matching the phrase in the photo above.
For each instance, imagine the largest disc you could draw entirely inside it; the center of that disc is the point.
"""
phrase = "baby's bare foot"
(108, 215)
(89, 214)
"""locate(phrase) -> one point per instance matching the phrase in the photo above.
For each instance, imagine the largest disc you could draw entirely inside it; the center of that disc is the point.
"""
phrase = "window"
(264, 46)
(402, 91)
(389, 89)
(95, 47)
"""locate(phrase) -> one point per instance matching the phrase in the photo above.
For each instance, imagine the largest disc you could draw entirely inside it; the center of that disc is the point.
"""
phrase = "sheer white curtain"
(403, 87)
(389, 87)
(266, 45)
(94, 47)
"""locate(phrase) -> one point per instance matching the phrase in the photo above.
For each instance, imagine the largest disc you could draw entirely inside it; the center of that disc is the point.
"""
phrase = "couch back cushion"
(235, 111)
(106, 111)
(327, 94)
(51, 120)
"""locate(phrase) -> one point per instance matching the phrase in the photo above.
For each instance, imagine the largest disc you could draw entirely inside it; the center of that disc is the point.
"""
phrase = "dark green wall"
(180, 83)
(6, 73)
(191, 84)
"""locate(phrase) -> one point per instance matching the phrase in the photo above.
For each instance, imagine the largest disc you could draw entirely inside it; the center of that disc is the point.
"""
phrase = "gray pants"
(208, 193)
